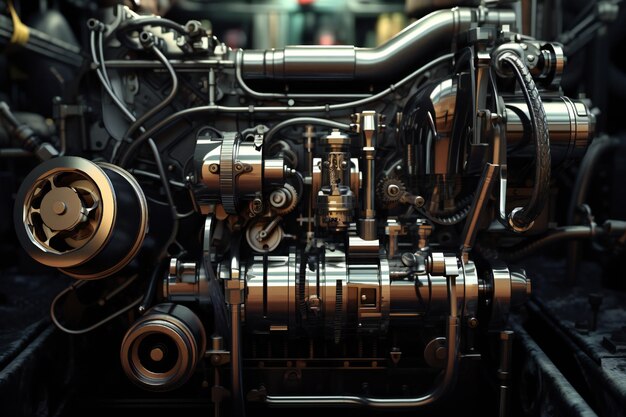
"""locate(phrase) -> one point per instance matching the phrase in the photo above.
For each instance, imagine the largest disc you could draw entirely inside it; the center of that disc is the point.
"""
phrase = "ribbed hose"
(462, 209)
(522, 218)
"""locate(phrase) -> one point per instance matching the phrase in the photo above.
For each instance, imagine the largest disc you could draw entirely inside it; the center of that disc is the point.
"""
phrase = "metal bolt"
(214, 168)
(257, 205)
(408, 259)
(530, 58)
(59, 207)
(419, 201)
(157, 354)
(472, 322)
(278, 198)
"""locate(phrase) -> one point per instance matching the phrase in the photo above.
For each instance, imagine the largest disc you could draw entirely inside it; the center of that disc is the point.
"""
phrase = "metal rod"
(504, 372)
(478, 206)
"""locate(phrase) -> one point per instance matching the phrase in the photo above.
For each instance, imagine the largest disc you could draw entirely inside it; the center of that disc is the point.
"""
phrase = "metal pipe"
(235, 327)
(236, 371)
(446, 383)
(413, 47)
(478, 206)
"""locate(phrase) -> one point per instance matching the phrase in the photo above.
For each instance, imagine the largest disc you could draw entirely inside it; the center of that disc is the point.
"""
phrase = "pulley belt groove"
(227, 171)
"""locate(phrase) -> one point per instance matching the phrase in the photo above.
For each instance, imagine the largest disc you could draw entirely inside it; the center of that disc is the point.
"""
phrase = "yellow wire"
(20, 30)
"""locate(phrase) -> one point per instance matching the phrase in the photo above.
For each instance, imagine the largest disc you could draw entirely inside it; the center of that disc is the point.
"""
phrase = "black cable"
(155, 151)
(462, 210)
(125, 158)
(524, 216)
(150, 293)
(596, 150)
(156, 109)
(303, 121)
(557, 235)
(280, 109)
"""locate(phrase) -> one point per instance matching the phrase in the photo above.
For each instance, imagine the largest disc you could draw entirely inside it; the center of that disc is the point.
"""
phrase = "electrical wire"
(88, 329)
(100, 69)
(276, 109)
(303, 121)
(156, 109)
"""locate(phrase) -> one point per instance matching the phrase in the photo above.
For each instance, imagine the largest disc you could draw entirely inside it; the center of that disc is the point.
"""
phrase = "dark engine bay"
(432, 224)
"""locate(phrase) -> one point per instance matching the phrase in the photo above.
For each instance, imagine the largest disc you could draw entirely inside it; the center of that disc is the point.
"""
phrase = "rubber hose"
(523, 217)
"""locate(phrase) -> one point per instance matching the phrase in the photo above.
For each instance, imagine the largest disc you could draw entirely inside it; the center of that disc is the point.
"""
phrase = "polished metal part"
(368, 123)
(348, 286)
(509, 289)
(186, 282)
(232, 169)
(445, 384)
(414, 46)
(163, 348)
(374, 266)
(68, 216)
(570, 122)
(478, 206)
(335, 199)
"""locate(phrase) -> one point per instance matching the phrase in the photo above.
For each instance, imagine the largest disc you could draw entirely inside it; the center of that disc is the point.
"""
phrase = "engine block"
(314, 225)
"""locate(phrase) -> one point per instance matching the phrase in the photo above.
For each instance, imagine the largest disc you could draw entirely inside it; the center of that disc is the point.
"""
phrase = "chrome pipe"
(414, 46)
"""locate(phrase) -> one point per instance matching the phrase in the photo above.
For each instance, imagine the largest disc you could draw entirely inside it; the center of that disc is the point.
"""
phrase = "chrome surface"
(162, 349)
(344, 238)
(415, 45)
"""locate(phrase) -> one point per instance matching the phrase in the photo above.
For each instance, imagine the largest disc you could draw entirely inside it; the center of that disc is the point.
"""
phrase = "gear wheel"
(390, 190)
(284, 200)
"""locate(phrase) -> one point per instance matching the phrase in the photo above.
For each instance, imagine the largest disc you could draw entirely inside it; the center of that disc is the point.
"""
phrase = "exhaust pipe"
(416, 45)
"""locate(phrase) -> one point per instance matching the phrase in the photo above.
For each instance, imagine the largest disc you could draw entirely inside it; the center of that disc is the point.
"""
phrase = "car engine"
(305, 226)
